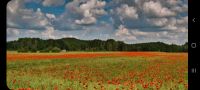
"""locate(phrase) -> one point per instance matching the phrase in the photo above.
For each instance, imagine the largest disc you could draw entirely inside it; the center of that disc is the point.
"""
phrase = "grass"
(106, 73)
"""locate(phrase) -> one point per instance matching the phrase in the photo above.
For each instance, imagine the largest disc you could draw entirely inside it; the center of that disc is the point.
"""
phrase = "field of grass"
(162, 71)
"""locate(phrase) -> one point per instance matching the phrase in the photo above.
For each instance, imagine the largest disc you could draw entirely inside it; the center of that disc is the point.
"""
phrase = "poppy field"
(97, 71)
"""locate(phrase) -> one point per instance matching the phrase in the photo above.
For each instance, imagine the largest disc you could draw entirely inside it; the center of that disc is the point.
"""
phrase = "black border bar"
(194, 44)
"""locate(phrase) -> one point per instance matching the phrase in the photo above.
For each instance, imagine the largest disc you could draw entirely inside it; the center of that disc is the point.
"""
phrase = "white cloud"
(180, 9)
(93, 7)
(14, 5)
(12, 32)
(158, 21)
(86, 20)
(137, 32)
(52, 33)
(98, 11)
(123, 33)
(70, 36)
(89, 10)
(51, 16)
(131, 21)
(31, 32)
(177, 25)
(126, 11)
(53, 2)
(172, 2)
(176, 28)
(172, 7)
(156, 9)
(49, 33)
(40, 19)
(138, 36)
(172, 24)
(183, 21)
(20, 17)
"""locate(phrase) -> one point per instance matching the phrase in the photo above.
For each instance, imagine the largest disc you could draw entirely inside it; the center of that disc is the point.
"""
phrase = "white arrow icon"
(193, 19)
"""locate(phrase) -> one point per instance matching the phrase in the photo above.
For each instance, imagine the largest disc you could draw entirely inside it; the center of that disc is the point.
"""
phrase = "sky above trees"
(131, 21)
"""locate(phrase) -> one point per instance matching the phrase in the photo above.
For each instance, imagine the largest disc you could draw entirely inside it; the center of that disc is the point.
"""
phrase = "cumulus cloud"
(153, 13)
(86, 21)
(14, 5)
(138, 36)
(98, 12)
(88, 10)
(12, 32)
(176, 35)
(31, 32)
(50, 16)
(49, 33)
(177, 25)
(164, 36)
(53, 2)
(137, 32)
(183, 21)
(172, 2)
(132, 21)
(171, 24)
(126, 11)
(158, 21)
(154, 8)
(123, 33)
(180, 9)
(20, 17)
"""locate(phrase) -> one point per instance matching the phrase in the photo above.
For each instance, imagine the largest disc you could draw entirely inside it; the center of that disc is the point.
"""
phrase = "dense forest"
(73, 44)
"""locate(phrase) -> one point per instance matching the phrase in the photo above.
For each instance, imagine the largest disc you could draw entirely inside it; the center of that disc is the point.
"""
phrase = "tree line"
(73, 44)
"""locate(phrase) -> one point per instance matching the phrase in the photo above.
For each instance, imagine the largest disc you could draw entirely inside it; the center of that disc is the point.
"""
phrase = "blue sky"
(131, 21)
